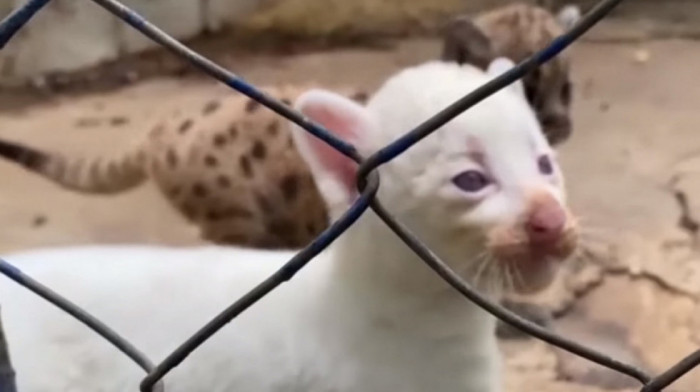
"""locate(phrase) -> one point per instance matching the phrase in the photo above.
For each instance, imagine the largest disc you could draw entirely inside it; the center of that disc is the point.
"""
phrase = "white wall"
(72, 34)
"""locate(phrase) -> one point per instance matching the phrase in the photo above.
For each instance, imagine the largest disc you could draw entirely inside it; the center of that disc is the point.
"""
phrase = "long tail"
(97, 175)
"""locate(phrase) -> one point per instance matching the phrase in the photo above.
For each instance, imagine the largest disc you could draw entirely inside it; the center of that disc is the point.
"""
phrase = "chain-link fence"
(368, 184)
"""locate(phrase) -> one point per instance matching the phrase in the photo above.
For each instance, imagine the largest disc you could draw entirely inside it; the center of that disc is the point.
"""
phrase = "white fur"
(366, 315)
(569, 15)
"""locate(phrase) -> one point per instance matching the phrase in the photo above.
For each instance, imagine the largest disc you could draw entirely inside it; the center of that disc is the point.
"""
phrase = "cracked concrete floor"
(633, 293)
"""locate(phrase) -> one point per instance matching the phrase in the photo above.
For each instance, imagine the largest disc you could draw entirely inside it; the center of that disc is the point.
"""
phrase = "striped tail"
(98, 176)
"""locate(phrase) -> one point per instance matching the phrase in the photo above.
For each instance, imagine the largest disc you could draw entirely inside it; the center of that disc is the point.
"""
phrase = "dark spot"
(219, 140)
(258, 151)
(223, 181)
(289, 186)
(171, 158)
(686, 221)
(39, 220)
(531, 83)
(273, 128)
(211, 161)
(175, 191)
(281, 227)
(26, 156)
(566, 93)
(87, 122)
(251, 106)
(263, 203)
(286, 101)
(118, 121)
(211, 106)
(245, 166)
(360, 97)
(311, 228)
(186, 125)
(213, 215)
(233, 131)
(188, 210)
(199, 190)
(604, 106)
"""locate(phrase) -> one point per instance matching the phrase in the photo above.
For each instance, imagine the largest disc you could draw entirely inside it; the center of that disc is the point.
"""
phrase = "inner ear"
(465, 43)
(345, 119)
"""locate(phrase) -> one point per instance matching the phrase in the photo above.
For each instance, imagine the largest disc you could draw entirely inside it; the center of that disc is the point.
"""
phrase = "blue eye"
(544, 164)
(471, 181)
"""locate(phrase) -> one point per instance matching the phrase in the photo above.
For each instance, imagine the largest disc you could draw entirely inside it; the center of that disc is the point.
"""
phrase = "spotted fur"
(517, 31)
(229, 167)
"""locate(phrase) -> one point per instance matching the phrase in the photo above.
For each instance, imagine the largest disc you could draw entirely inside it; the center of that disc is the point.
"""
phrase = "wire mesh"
(368, 184)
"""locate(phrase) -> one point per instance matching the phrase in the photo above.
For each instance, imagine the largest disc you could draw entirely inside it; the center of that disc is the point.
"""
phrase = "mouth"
(530, 275)
(530, 268)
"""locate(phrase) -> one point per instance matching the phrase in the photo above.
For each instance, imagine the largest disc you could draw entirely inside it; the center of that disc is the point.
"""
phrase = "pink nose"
(546, 222)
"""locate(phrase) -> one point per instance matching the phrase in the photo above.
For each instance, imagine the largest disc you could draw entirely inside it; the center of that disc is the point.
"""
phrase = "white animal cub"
(366, 315)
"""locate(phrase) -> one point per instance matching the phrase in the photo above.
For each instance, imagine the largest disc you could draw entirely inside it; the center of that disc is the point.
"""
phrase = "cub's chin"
(530, 268)
(532, 276)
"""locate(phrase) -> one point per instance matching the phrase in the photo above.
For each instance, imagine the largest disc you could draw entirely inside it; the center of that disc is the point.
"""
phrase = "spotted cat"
(518, 31)
(229, 167)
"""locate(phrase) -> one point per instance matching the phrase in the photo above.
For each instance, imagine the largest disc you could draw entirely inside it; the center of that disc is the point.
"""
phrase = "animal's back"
(236, 175)
(155, 298)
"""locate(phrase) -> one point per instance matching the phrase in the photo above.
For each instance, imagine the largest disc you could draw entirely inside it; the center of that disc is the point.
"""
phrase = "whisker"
(497, 279)
(509, 283)
(519, 277)
(486, 275)
(480, 270)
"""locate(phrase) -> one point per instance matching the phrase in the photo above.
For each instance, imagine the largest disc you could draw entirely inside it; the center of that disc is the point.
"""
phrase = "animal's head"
(484, 189)
(517, 32)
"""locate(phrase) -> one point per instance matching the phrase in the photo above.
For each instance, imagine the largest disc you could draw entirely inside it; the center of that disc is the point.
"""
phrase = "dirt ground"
(635, 145)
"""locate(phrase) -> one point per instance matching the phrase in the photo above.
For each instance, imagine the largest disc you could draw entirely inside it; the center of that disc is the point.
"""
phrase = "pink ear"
(345, 119)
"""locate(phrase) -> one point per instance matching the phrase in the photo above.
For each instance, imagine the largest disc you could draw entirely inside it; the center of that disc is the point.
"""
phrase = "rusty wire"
(368, 184)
